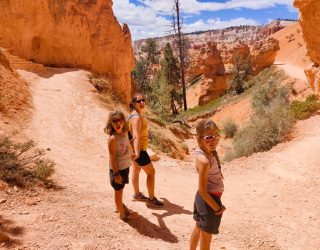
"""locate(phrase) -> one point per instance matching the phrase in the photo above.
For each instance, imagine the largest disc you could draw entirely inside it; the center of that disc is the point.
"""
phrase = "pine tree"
(171, 71)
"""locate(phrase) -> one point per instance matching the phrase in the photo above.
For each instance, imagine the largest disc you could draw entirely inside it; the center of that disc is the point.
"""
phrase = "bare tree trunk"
(178, 27)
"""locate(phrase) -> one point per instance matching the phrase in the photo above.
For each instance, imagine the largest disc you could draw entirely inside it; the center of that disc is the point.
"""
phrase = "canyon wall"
(70, 33)
(309, 21)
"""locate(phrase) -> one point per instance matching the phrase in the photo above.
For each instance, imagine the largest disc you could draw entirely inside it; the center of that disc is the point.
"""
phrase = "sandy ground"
(272, 198)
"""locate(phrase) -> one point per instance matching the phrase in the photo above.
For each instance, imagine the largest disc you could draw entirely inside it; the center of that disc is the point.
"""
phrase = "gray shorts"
(205, 216)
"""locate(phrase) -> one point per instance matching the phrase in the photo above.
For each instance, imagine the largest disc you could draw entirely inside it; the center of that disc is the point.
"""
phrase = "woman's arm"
(136, 126)
(112, 156)
(203, 165)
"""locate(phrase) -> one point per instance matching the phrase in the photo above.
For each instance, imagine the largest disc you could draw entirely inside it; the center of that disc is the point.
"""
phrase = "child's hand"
(118, 179)
(222, 209)
(134, 157)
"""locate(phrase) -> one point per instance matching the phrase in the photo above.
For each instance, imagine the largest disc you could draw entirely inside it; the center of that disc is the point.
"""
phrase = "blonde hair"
(205, 125)
(112, 115)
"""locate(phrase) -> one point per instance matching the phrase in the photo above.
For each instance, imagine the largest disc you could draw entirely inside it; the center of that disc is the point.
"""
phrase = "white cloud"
(147, 20)
(209, 24)
(194, 6)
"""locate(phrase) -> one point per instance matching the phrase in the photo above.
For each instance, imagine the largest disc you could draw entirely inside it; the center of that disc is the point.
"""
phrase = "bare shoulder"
(202, 160)
(112, 139)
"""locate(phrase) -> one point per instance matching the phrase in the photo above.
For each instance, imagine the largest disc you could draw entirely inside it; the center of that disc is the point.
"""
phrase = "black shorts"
(125, 179)
(144, 159)
(205, 216)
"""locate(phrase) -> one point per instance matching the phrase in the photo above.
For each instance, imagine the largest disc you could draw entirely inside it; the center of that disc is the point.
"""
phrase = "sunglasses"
(140, 101)
(209, 138)
(115, 121)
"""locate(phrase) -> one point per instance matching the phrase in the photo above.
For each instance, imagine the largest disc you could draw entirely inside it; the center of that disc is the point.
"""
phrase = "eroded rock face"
(73, 33)
(206, 60)
(263, 54)
(213, 61)
(309, 21)
(313, 75)
(14, 92)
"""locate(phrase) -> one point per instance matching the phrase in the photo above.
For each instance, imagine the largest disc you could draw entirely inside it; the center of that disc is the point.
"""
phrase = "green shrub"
(159, 141)
(101, 84)
(229, 128)
(270, 123)
(22, 164)
(185, 148)
(303, 110)
(44, 169)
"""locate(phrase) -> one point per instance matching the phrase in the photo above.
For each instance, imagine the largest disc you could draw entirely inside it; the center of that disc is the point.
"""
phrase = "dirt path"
(272, 198)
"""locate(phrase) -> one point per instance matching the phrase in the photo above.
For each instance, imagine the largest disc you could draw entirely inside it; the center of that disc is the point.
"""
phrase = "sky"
(152, 18)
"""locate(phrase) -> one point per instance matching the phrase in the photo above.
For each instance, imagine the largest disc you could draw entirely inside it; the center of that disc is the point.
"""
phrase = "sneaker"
(140, 197)
(154, 202)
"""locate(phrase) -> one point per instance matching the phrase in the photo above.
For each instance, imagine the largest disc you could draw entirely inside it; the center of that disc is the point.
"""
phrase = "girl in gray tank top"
(119, 158)
(208, 208)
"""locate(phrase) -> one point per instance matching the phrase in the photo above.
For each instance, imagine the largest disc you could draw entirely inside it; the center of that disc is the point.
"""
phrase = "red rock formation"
(206, 60)
(14, 92)
(309, 21)
(230, 52)
(263, 54)
(73, 33)
(212, 60)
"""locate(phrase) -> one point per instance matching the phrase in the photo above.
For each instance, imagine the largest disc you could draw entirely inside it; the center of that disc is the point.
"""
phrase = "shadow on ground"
(10, 233)
(161, 231)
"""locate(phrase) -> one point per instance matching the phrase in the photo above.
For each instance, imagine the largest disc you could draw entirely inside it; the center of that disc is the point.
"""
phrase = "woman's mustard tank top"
(143, 131)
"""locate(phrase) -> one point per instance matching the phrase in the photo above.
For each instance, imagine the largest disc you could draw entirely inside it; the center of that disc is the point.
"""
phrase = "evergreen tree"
(171, 71)
(240, 71)
(140, 75)
(150, 48)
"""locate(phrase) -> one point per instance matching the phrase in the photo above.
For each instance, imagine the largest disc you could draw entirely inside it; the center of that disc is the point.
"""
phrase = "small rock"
(9, 191)
(2, 201)
(24, 212)
(15, 188)
(31, 201)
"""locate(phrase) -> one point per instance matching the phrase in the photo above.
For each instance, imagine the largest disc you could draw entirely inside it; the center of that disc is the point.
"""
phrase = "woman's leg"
(205, 240)
(135, 177)
(150, 171)
(194, 238)
(119, 203)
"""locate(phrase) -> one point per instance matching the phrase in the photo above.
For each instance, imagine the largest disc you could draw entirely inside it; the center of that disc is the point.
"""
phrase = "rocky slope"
(309, 20)
(14, 92)
(82, 34)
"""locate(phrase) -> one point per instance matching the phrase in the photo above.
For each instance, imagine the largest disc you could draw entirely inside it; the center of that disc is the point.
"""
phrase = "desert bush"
(270, 123)
(185, 147)
(159, 141)
(100, 84)
(303, 110)
(229, 128)
(44, 169)
(23, 164)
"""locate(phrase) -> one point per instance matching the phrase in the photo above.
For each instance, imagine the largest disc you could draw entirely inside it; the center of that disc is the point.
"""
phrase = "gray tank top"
(123, 158)
(215, 178)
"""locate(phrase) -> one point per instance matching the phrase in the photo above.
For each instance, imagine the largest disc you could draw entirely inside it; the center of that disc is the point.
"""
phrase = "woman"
(138, 133)
(208, 208)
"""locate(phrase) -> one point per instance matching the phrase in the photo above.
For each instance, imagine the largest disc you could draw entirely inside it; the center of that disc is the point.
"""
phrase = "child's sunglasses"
(115, 121)
(209, 138)
(140, 101)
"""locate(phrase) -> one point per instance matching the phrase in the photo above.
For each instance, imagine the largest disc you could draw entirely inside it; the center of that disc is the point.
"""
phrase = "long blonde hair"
(112, 115)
